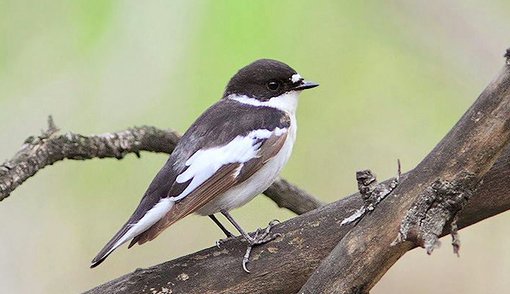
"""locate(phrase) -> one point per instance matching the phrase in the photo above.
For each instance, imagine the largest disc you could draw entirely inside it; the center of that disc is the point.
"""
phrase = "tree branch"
(38, 152)
(50, 147)
(286, 195)
(427, 200)
(285, 264)
(455, 186)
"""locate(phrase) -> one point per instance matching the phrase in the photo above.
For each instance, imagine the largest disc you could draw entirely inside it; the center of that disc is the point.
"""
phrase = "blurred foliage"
(395, 76)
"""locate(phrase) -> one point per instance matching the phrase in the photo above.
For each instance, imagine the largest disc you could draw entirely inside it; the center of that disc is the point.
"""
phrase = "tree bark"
(286, 263)
(426, 201)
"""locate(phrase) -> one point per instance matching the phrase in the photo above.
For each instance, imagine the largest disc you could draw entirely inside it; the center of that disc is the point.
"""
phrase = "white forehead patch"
(296, 78)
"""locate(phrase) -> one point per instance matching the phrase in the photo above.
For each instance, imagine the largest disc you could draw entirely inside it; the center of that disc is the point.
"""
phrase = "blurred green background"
(395, 76)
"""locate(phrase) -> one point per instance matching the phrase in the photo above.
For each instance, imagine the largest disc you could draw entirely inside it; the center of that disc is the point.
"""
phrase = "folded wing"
(217, 152)
(258, 147)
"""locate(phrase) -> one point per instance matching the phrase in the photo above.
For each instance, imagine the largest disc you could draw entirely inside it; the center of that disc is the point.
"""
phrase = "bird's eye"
(273, 85)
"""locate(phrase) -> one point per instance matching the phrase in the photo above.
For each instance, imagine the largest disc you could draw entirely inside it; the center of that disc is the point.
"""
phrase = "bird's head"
(266, 79)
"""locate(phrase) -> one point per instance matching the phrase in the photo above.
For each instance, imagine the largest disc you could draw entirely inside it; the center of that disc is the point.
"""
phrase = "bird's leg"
(261, 236)
(220, 225)
(227, 232)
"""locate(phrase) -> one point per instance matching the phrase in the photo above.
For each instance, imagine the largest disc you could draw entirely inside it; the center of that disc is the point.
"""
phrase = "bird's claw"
(261, 236)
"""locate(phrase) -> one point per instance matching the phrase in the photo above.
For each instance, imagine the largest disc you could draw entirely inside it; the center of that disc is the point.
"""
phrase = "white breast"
(257, 183)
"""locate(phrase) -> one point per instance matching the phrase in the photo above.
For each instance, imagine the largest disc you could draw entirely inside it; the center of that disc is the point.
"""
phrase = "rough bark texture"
(281, 266)
(426, 200)
(284, 265)
(50, 147)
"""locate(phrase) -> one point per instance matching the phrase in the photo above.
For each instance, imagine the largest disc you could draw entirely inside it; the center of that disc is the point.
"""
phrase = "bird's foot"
(261, 236)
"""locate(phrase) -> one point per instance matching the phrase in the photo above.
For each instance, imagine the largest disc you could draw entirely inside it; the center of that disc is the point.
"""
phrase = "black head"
(265, 79)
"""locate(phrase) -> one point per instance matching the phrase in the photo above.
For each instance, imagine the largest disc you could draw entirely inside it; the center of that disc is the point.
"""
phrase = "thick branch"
(427, 200)
(285, 264)
(50, 147)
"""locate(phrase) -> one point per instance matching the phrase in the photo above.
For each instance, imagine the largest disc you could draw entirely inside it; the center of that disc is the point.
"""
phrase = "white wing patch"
(205, 163)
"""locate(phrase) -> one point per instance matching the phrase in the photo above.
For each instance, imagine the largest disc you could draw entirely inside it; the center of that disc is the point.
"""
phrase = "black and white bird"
(229, 155)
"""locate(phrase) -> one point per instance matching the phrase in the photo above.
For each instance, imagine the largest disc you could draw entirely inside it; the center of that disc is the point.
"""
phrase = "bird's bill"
(303, 85)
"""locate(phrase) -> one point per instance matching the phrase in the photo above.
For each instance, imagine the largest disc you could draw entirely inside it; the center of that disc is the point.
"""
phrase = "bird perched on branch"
(229, 155)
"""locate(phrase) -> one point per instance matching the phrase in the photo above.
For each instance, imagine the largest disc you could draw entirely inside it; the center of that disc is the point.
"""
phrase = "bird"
(230, 154)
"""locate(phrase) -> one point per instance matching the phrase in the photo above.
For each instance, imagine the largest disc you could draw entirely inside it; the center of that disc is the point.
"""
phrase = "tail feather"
(155, 230)
(133, 228)
(110, 246)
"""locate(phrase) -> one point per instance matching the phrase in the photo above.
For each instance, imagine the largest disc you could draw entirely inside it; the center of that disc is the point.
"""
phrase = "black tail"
(111, 246)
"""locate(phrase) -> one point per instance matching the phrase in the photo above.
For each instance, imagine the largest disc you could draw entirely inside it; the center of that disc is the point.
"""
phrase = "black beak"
(303, 85)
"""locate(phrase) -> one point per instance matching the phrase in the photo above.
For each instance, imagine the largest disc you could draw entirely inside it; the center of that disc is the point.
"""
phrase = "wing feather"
(225, 178)
(219, 183)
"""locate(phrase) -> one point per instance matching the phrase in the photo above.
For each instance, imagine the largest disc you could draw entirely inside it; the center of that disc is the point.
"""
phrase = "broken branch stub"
(371, 192)
(439, 204)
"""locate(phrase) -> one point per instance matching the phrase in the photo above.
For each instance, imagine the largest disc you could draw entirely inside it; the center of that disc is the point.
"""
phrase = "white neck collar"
(286, 102)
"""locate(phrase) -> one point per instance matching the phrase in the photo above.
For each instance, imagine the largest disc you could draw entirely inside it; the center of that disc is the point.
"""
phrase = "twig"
(39, 152)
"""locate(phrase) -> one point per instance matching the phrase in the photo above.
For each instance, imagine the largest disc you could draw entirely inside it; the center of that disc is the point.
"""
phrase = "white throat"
(286, 102)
